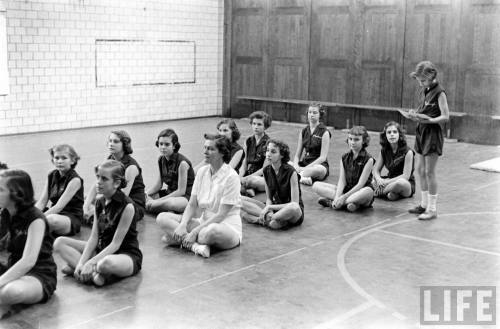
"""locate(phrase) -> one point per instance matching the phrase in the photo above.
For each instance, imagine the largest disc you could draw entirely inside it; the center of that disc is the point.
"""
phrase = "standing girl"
(120, 148)
(353, 189)
(431, 113)
(31, 272)
(284, 207)
(175, 171)
(64, 190)
(398, 159)
(314, 142)
(112, 248)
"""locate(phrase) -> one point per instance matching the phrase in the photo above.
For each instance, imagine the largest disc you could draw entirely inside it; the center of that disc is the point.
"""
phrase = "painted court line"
(100, 317)
(341, 318)
(212, 279)
(486, 185)
(280, 256)
(452, 245)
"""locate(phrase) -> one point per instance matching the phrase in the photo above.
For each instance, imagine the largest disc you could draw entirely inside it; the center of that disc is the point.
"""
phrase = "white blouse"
(211, 191)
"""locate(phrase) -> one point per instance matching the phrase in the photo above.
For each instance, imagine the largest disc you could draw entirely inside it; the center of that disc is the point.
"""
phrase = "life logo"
(457, 305)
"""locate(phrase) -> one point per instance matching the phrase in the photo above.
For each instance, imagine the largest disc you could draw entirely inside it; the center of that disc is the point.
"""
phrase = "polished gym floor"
(337, 270)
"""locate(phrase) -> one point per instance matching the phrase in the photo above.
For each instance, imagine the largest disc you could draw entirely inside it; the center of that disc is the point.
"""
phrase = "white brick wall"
(51, 52)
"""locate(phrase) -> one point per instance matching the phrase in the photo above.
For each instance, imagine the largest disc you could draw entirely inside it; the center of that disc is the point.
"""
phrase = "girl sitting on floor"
(64, 190)
(175, 171)
(398, 159)
(30, 276)
(112, 249)
(354, 189)
(120, 148)
(310, 159)
(283, 207)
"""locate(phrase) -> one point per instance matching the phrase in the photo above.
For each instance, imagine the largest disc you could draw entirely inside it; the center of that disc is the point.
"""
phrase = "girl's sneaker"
(201, 249)
(428, 215)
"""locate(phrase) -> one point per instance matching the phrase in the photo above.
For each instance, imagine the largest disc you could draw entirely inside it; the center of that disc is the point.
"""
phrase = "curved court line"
(343, 250)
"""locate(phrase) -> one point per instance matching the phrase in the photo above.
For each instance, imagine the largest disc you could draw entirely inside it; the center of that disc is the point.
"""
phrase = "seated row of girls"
(360, 178)
(62, 198)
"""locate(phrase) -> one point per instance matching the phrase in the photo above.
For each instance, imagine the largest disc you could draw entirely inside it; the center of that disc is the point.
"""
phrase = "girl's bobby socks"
(425, 198)
(432, 202)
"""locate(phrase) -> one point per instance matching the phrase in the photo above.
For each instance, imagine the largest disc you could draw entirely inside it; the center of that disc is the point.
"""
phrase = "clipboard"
(404, 113)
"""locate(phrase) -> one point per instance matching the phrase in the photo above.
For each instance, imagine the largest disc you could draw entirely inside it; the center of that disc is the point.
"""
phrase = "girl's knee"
(163, 218)
(11, 294)
(106, 265)
(60, 243)
(211, 233)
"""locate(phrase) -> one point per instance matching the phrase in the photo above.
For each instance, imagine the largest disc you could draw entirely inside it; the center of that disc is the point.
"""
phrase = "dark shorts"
(48, 281)
(136, 260)
(76, 223)
(139, 212)
(324, 164)
(429, 139)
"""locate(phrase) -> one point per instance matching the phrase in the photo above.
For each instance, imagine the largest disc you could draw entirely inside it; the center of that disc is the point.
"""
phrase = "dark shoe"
(417, 210)
(325, 202)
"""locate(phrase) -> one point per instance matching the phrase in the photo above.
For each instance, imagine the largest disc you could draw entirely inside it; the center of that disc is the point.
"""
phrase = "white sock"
(432, 202)
(425, 197)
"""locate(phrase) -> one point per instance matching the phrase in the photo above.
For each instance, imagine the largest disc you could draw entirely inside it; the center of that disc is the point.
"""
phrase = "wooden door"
(331, 51)
(289, 26)
(378, 51)
(432, 33)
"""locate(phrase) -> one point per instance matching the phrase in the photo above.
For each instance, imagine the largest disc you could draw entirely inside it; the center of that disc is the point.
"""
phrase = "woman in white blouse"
(212, 216)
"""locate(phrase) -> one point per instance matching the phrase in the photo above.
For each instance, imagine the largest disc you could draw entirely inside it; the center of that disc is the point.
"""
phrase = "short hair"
(266, 118)
(125, 139)
(3, 166)
(235, 133)
(223, 145)
(117, 171)
(360, 131)
(321, 110)
(425, 69)
(68, 148)
(173, 136)
(20, 187)
(283, 147)
(383, 137)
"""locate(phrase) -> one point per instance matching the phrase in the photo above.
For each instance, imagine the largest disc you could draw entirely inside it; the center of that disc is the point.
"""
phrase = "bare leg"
(69, 249)
(400, 187)
(25, 290)
(256, 182)
(316, 171)
(430, 172)
(361, 198)
(287, 215)
(120, 265)
(176, 204)
(324, 190)
(59, 224)
(219, 235)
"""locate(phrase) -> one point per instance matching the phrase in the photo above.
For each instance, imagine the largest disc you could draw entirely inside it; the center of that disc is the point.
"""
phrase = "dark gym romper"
(235, 147)
(429, 136)
(311, 145)
(169, 173)
(279, 186)
(137, 191)
(108, 217)
(353, 168)
(74, 208)
(45, 269)
(395, 164)
(256, 153)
